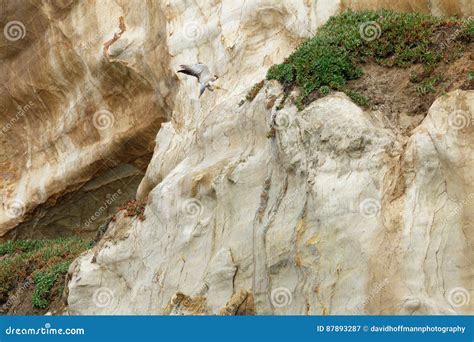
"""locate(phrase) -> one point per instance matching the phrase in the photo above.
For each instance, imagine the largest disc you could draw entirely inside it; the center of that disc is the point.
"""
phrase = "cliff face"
(333, 213)
(71, 110)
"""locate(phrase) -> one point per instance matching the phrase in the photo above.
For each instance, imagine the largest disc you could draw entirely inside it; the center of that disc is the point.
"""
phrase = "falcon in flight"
(201, 72)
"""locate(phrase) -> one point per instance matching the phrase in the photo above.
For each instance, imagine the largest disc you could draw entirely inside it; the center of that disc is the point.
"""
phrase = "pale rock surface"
(334, 215)
(70, 112)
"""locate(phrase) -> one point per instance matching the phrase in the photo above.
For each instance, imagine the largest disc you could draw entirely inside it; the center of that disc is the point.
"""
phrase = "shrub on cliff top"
(37, 262)
(388, 38)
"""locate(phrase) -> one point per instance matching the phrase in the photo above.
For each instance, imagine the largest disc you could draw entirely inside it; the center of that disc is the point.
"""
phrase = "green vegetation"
(334, 55)
(43, 261)
(44, 282)
(428, 85)
(358, 98)
(470, 76)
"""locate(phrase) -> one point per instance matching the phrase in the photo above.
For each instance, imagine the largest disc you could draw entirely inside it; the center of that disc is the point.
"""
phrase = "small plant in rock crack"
(271, 133)
(135, 208)
(254, 91)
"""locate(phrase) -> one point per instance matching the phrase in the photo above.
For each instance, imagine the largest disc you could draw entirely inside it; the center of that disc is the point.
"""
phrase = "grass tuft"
(44, 261)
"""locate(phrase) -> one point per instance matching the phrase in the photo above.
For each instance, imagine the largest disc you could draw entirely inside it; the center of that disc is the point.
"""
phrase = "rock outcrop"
(335, 214)
(70, 111)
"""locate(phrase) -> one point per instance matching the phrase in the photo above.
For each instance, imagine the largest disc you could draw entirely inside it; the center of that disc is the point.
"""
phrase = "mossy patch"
(335, 54)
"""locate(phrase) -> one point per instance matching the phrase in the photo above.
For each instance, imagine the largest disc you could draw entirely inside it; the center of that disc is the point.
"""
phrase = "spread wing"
(200, 71)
